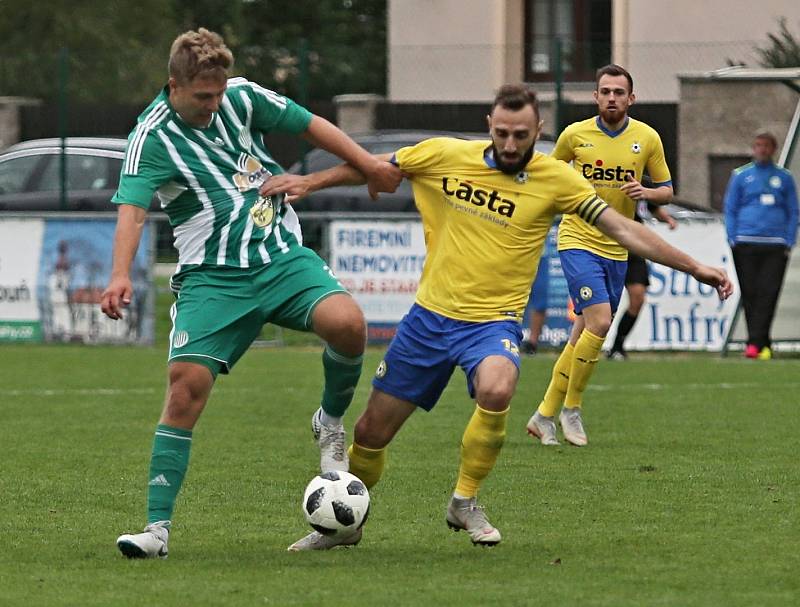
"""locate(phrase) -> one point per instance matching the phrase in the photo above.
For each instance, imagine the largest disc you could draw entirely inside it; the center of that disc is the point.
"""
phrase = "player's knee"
(599, 326)
(187, 393)
(495, 396)
(371, 432)
(343, 327)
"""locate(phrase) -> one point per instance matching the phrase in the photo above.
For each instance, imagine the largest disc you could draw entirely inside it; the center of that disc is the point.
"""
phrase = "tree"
(783, 49)
(345, 42)
(118, 49)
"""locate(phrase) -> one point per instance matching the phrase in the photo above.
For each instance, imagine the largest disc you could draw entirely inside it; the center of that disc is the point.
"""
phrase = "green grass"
(687, 494)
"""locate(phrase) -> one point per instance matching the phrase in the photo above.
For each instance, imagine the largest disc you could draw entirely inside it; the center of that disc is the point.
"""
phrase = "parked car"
(356, 198)
(30, 174)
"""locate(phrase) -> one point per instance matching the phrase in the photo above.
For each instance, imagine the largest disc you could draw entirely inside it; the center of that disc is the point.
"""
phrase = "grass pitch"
(687, 494)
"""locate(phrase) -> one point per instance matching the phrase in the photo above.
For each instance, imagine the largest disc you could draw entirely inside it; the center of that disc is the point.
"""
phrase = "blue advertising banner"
(53, 273)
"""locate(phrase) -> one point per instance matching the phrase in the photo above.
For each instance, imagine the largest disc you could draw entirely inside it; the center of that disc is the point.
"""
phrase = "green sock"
(168, 466)
(341, 377)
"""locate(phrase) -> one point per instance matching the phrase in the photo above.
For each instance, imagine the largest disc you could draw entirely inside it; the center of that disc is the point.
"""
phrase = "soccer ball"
(336, 503)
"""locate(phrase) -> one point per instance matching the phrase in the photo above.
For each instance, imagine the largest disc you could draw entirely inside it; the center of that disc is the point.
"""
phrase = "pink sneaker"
(751, 351)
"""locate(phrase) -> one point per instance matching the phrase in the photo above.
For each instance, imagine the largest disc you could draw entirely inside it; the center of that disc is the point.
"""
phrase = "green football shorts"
(220, 310)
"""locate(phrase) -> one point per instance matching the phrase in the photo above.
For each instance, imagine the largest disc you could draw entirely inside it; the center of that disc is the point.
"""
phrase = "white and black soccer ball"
(336, 503)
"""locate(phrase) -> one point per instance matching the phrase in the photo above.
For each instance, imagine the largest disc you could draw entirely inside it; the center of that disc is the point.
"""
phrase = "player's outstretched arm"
(118, 293)
(379, 177)
(658, 195)
(646, 243)
(298, 186)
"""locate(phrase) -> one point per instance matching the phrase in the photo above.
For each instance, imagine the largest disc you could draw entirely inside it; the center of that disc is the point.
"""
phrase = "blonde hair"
(199, 53)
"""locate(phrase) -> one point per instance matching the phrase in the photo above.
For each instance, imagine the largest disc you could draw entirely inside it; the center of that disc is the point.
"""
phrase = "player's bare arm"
(659, 195)
(646, 243)
(662, 215)
(298, 186)
(118, 293)
(379, 176)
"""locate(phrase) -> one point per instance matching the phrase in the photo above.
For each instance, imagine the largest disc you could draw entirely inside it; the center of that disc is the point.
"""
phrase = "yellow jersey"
(606, 158)
(484, 229)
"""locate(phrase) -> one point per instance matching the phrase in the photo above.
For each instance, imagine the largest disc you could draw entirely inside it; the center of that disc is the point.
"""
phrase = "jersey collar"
(488, 158)
(602, 127)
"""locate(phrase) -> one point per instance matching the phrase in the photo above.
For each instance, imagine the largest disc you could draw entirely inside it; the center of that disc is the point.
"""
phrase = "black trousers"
(760, 269)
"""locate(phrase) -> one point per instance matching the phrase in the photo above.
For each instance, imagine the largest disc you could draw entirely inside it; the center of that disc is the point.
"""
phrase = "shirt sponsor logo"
(598, 172)
(251, 174)
(463, 190)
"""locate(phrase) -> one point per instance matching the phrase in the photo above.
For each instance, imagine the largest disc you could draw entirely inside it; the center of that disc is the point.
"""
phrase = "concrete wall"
(720, 118)
(452, 50)
(10, 119)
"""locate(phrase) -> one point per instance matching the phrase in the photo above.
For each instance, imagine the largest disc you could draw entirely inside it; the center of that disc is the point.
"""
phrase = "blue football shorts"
(540, 287)
(428, 346)
(592, 279)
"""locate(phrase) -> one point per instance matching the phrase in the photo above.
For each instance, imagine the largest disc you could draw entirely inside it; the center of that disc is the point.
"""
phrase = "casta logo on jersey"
(464, 190)
(597, 172)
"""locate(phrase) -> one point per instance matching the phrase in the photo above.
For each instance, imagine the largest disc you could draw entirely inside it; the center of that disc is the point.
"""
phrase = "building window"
(720, 169)
(582, 29)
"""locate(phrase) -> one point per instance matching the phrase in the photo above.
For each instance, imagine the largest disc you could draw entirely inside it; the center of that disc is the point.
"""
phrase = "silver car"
(30, 174)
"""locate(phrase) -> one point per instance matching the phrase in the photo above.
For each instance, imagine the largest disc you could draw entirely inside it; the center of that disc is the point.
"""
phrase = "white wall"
(658, 40)
(453, 50)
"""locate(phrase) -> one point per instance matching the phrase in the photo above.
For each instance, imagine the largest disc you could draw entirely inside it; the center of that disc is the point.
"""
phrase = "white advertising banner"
(380, 263)
(680, 313)
(20, 251)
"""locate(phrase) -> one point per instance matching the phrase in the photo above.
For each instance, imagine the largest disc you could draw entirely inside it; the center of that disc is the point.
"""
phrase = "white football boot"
(466, 514)
(332, 445)
(150, 544)
(317, 541)
(543, 428)
(572, 426)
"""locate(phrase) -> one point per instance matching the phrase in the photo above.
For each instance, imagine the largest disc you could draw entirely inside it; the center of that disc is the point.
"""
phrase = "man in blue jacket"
(761, 222)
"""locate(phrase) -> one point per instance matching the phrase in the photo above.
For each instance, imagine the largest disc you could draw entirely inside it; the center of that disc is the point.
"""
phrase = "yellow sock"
(557, 390)
(584, 360)
(480, 447)
(367, 464)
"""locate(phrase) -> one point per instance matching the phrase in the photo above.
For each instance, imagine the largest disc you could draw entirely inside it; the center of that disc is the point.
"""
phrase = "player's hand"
(717, 278)
(633, 189)
(294, 186)
(384, 177)
(117, 296)
(661, 214)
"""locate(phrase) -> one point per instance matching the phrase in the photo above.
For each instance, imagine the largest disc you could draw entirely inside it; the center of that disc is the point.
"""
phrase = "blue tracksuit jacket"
(761, 206)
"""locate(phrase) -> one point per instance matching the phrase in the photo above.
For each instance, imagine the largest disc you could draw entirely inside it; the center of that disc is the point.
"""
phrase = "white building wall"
(658, 40)
(453, 50)
(462, 50)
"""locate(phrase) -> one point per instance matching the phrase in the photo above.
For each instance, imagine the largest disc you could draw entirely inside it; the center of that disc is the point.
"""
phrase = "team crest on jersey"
(775, 181)
(180, 339)
(585, 293)
(262, 211)
(522, 177)
(636, 147)
(381, 370)
(251, 174)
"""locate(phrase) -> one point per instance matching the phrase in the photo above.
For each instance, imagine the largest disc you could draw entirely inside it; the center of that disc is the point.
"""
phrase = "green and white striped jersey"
(207, 179)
